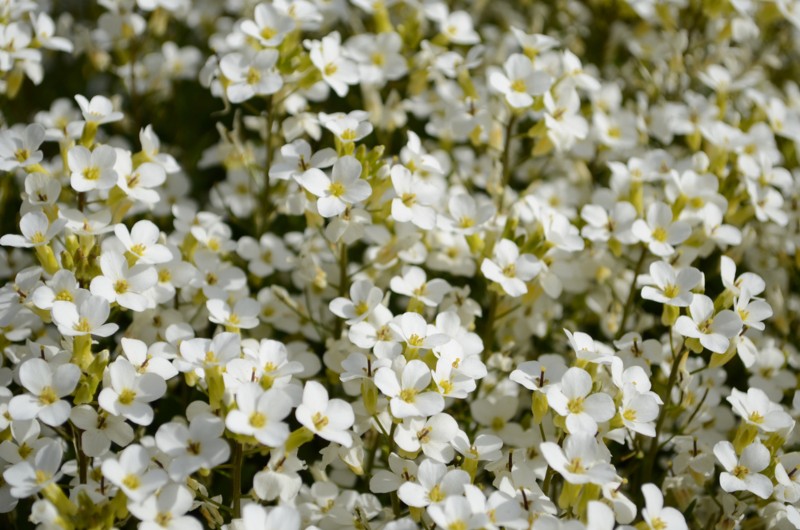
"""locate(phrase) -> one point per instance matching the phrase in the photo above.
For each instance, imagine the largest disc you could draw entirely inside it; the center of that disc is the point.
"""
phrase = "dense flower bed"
(398, 264)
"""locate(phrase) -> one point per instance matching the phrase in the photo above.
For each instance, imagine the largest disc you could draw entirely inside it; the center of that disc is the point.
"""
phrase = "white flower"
(92, 170)
(47, 385)
(583, 460)
(337, 71)
(122, 284)
(344, 187)
(198, 446)
(87, 316)
(129, 471)
(456, 512)
(36, 231)
(757, 409)
(509, 268)
(433, 484)
(378, 57)
(407, 393)
(713, 331)
(167, 509)
(27, 478)
(520, 81)
(99, 110)
(296, 158)
(255, 517)
(142, 242)
(742, 474)
(138, 183)
(329, 419)
(99, 430)
(573, 398)
(432, 435)
(639, 411)
(669, 287)
(260, 414)
(458, 27)
(415, 199)
(270, 26)
(413, 283)
(21, 149)
(659, 232)
(250, 75)
(752, 312)
(656, 515)
(127, 393)
(243, 315)
(364, 297)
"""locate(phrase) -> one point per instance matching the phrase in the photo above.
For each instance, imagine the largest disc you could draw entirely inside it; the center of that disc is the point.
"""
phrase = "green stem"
(343, 281)
(236, 505)
(83, 464)
(266, 197)
(662, 416)
(626, 310)
(505, 160)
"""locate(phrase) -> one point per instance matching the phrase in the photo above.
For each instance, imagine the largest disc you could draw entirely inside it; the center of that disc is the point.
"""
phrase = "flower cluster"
(457, 265)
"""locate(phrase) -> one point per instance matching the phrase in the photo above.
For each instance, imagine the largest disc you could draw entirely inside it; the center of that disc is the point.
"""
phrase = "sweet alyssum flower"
(47, 385)
(572, 398)
(344, 187)
(742, 473)
(407, 391)
(509, 268)
(327, 418)
(260, 413)
(713, 330)
(127, 393)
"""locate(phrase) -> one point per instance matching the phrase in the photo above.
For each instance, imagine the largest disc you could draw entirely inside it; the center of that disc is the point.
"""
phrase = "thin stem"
(662, 416)
(83, 463)
(236, 505)
(343, 281)
(626, 310)
(266, 194)
(505, 160)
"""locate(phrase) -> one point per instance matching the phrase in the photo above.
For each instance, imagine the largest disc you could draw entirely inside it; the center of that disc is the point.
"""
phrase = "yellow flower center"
(131, 482)
(436, 494)
(64, 296)
(671, 291)
(258, 420)
(336, 189)
(408, 395)
(415, 340)
(320, 421)
(22, 155)
(91, 173)
(740, 472)
(409, 199)
(268, 33)
(253, 76)
(83, 325)
(575, 405)
(127, 396)
(330, 69)
(576, 466)
(48, 396)
(659, 234)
